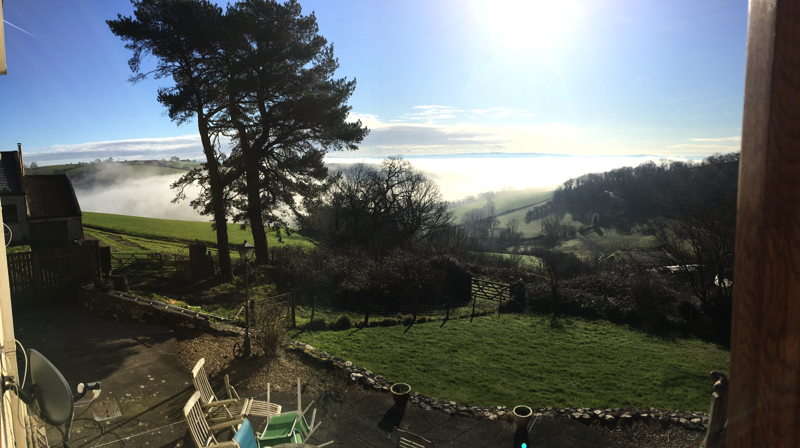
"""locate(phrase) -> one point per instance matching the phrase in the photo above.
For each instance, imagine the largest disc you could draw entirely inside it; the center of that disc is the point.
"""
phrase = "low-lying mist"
(149, 195)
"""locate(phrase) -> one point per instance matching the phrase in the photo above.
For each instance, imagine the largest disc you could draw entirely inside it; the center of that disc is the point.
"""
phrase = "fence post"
(447, 299)
(294, 322)
(474, 301)
(366, 316)
(500, 306)
(313, 307)
(38, 281)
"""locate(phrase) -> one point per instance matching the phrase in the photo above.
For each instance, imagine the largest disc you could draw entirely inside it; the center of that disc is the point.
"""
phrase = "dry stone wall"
(112, 305)
(610, 416)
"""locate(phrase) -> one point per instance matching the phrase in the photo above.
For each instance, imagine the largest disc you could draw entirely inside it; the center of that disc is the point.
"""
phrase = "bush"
(389, 322)
(316, 325)
(269, 327)
(422, 319)
(344, 323)
(408, 320)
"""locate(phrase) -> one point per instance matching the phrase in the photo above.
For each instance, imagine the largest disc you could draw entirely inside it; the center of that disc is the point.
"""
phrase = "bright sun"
(529, 24)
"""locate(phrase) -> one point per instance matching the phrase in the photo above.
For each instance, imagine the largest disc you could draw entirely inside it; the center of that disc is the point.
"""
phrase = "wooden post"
(447, 316)
(37, 279)
(474, 301)
(294, 322)
(764, 398)
(313, 307)
(500, 306)
(715, 435)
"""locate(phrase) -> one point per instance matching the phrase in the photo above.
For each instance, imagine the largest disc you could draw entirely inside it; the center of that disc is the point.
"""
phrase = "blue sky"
(603, 77)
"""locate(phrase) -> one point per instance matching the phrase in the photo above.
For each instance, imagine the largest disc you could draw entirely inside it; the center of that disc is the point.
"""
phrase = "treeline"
(647, 191)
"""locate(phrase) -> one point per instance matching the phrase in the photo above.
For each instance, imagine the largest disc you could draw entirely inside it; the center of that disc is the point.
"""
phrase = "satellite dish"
(50, 390)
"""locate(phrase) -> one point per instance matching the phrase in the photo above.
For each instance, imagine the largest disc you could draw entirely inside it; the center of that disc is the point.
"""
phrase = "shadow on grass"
(409, 327)
(295, 335)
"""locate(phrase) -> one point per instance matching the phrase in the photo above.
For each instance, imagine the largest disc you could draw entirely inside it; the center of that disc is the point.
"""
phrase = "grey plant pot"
(522, 416)
(400, 399)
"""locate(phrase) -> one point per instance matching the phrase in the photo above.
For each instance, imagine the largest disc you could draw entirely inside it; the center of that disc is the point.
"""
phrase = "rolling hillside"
(505, 201)
(134, 234)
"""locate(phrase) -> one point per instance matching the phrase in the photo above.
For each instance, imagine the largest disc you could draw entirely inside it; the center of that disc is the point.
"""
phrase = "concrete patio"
(140, 370)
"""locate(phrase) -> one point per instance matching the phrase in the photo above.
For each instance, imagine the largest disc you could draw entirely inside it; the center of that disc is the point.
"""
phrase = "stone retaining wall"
(107, 305)
(611, 416)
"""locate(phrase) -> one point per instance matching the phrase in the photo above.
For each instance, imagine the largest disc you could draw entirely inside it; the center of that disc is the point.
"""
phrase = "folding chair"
(291, 427)
(246, 438)
(258, 408)
(232, 408)
(202, 433)
(405, 439)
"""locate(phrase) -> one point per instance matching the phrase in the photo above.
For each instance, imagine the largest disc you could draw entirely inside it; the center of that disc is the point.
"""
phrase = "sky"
(569, 77)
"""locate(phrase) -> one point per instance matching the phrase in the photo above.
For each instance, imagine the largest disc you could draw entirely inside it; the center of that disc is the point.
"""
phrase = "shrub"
(344, 323)
(389, 322)
(408, 320)
(269, 327)
(316, 325)
(422, 319)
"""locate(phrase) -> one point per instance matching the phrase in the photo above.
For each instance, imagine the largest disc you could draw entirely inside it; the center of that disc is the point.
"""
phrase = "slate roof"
(10, 174)
(51, 196)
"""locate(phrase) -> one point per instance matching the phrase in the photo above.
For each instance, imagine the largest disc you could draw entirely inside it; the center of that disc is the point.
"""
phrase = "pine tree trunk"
(216, 186)
(254, 213)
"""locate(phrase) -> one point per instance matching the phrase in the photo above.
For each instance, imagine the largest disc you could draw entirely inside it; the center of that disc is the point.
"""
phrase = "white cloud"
(692, 145)
(184, 147)
(721, 139)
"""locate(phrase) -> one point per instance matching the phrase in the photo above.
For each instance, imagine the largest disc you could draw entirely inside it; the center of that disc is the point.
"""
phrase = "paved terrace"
(139, 368)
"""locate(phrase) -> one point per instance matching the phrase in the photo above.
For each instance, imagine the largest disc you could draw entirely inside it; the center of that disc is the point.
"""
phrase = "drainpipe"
(21, 165)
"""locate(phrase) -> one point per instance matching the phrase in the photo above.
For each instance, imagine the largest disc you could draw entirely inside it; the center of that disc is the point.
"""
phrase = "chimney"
(21, 165)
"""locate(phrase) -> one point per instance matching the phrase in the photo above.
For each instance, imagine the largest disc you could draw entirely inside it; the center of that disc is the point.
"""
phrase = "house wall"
(74, 226)
(19, 229)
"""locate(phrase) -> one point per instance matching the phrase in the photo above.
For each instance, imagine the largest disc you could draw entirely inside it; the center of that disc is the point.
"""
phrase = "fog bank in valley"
(150, 195)
(147, 197)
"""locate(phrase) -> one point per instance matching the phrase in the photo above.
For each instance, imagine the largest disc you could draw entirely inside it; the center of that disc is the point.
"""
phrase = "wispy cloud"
(414, 137)
(502, 112)
(721, 139)
(693, 145)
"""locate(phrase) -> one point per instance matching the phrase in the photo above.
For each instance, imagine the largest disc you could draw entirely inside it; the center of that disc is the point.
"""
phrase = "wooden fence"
(486, 290)
(152, 264)
(50, 276)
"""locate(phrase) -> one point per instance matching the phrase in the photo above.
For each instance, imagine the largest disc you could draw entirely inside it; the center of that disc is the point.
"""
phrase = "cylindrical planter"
(522, 416)
(400, 393)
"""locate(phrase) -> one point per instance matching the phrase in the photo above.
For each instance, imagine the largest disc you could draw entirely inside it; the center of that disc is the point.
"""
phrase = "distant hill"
(504, 201)
(87, 174)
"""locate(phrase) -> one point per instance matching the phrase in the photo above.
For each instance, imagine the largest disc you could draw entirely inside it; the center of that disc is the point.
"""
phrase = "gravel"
(280, 371)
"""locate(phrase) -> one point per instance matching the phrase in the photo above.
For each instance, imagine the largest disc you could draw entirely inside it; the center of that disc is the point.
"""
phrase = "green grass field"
(505, 201)
(512, 360)
(126, 168)
(164, 235)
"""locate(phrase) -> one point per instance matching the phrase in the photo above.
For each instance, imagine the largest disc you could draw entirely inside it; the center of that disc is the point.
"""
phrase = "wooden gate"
(486, 290)
(50, 276)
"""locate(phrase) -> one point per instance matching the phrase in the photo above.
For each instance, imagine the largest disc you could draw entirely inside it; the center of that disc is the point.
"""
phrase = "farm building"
(41, 210)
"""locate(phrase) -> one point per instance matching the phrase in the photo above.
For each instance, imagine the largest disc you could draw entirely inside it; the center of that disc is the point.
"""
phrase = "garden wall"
(112, 304)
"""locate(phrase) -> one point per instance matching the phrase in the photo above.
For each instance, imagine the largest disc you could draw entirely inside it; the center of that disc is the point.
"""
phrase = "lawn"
(152, 233)
(512, 360)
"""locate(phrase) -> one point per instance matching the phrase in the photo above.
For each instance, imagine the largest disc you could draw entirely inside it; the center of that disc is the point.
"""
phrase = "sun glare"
(529, 24)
